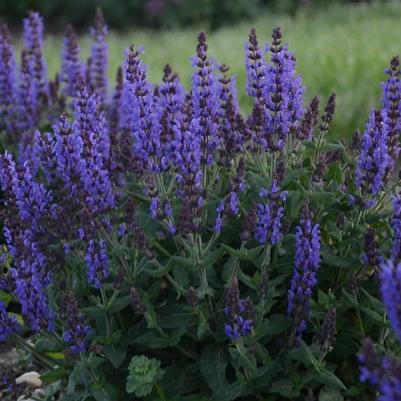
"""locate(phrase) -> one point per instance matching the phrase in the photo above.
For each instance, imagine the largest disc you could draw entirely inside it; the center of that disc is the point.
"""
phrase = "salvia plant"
(158, 244)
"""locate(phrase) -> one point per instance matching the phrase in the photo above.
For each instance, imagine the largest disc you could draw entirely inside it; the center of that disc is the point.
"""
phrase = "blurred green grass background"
(341, 48)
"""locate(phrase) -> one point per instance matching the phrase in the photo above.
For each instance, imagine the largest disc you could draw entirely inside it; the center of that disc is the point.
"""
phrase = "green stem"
(160, 392)
(44, 361)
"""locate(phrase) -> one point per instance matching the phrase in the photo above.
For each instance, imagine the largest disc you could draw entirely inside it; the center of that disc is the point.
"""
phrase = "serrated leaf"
(181, 276)
(286, 388)
(266, 374)
(94, 312)
(119, 304)
(277, 324)
(303, 354)
(203, 328)
(372, 315)
(231, 392)
(329, 378)
(115, 353)
(228, 269)
(213, 364)
(328, 393)
(175, 315)
(348, 299)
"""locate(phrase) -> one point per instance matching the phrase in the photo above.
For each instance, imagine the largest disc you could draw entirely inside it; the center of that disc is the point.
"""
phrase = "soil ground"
(12, 365)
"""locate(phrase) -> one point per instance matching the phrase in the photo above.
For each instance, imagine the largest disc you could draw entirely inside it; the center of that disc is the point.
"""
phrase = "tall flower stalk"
(306, 265)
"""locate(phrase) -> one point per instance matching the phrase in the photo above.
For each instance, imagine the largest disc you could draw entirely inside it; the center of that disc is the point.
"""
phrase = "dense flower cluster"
(27, 204)
(160, 219)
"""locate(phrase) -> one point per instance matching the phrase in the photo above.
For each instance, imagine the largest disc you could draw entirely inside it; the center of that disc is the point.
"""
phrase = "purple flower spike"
(283, 94)
(97, 68)
(392, 104)
(270, 214)
(391, 293)
(139, 116)
(98, 263)
(8, 85)
(71, 66)
(205, 101)
(306, 265)
(256, 69)
(277, 91)
(240, 312)
(374, 160)
(33, 40)
(26, 107)
(76, 330)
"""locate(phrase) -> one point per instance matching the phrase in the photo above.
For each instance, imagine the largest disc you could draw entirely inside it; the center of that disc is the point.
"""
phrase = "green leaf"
(228, 269)
(266, 374)
(79, 375)
(303, 354)
(180, 274)
(213, 364)
(231, 392)
(335, 261)
(152, 339)
(330, 147)
(328, 393)
(235, 253)
(48, 345)
(115, 353)
(184, 262)
(348, 299)
(94, 312)
(175, 315)
(203, 328)
(373, 316)
(5, 297)
(119, 304)
(277, 324)
(212, 257)
(104, 393)
(251, 254)
(329, 378)
(286, 388)
(54, 375)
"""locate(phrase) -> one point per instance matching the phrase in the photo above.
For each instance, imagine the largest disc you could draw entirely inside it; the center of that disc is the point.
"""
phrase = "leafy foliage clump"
(143, 374)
